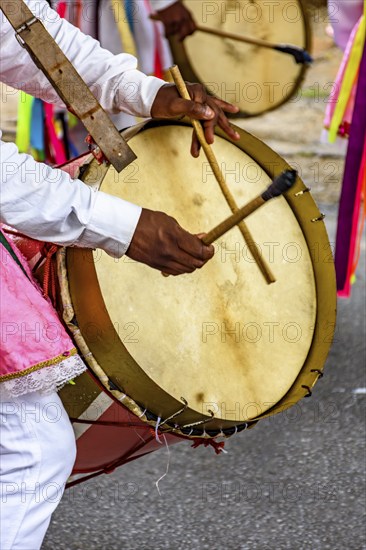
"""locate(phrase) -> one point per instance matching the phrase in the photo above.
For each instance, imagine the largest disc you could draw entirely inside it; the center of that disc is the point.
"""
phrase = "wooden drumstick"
(279, 186)
(264, 268)
(300, 55)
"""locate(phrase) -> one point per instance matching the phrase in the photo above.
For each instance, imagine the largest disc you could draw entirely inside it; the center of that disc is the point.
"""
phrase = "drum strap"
(47, 55)
(7, 246)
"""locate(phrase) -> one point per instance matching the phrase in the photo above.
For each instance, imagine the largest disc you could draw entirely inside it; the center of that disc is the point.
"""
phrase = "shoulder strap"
(6, 245)
(45, 52)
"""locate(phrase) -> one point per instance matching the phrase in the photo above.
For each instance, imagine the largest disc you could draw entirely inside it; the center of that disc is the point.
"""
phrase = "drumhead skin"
(254, 78)
(221, 338)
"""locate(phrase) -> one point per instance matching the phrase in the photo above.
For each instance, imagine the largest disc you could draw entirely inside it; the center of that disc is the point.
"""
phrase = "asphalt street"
(296, 481)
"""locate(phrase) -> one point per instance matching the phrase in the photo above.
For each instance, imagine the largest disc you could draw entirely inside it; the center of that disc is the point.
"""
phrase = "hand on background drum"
(177, 20)
(160, 242)
(211, 110)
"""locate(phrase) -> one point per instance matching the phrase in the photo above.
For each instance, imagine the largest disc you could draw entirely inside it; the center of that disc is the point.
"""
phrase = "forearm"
(46, 204)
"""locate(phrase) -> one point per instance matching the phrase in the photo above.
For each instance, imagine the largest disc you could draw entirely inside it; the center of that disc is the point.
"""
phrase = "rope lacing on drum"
(167, 465)
(200, 422)
(157, 430)
(49, 277)
(142, 413)
(177, 413)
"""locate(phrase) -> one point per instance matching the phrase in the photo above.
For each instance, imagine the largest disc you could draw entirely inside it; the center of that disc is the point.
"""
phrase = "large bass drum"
(210, 353)
(254, 78)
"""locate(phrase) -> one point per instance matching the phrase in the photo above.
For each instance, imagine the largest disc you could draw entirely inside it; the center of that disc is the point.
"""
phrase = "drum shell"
(138, 385)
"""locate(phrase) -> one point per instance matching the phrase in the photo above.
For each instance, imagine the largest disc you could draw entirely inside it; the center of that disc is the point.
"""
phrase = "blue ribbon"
(37, 125)
(129, 9)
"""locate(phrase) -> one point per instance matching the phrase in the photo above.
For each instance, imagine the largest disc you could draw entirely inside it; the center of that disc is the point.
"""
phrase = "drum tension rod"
(303, 191)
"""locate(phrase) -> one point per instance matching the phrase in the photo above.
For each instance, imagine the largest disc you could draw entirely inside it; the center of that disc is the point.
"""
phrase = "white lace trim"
(45, 380)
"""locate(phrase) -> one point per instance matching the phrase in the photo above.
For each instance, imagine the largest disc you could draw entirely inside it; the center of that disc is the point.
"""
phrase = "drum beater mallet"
(280, 185)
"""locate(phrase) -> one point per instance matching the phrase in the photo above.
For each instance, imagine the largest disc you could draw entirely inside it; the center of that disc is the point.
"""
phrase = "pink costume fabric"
(36, 352)
(333, 99)
(343, 15)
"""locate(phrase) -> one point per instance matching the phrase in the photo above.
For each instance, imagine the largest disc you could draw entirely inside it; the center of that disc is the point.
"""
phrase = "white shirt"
(43, 202)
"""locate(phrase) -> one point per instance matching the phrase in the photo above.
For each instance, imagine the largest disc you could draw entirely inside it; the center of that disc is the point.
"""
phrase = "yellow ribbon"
(349, 79)
(22, 139)
(121, 19)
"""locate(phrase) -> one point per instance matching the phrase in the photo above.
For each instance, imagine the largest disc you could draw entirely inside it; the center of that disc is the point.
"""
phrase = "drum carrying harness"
(47, 55)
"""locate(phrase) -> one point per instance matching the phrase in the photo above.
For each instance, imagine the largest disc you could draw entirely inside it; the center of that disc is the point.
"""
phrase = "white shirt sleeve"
(46, 204)
(114, 79)
(161, 4)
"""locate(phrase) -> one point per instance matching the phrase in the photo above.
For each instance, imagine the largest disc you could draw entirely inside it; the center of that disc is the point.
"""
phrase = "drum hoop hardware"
(320, 373)
(303, 191)
(310, 393)
(319, 218)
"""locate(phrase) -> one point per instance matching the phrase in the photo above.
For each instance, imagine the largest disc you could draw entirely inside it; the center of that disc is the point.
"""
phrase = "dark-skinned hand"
(177, 20)
(161, 243)
(211, 110)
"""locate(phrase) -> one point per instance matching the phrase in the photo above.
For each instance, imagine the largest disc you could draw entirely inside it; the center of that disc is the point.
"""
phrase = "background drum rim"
(180, 56)
(311, 225)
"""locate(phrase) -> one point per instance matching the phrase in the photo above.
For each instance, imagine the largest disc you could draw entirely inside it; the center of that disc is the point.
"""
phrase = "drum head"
(221, 338)
(254, 78)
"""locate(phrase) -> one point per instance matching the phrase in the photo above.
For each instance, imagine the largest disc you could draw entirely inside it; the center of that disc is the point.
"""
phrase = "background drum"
(254, 78)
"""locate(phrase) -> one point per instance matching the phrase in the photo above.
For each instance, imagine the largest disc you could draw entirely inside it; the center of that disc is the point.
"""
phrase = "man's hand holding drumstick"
(159, 241)
(210, 110)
